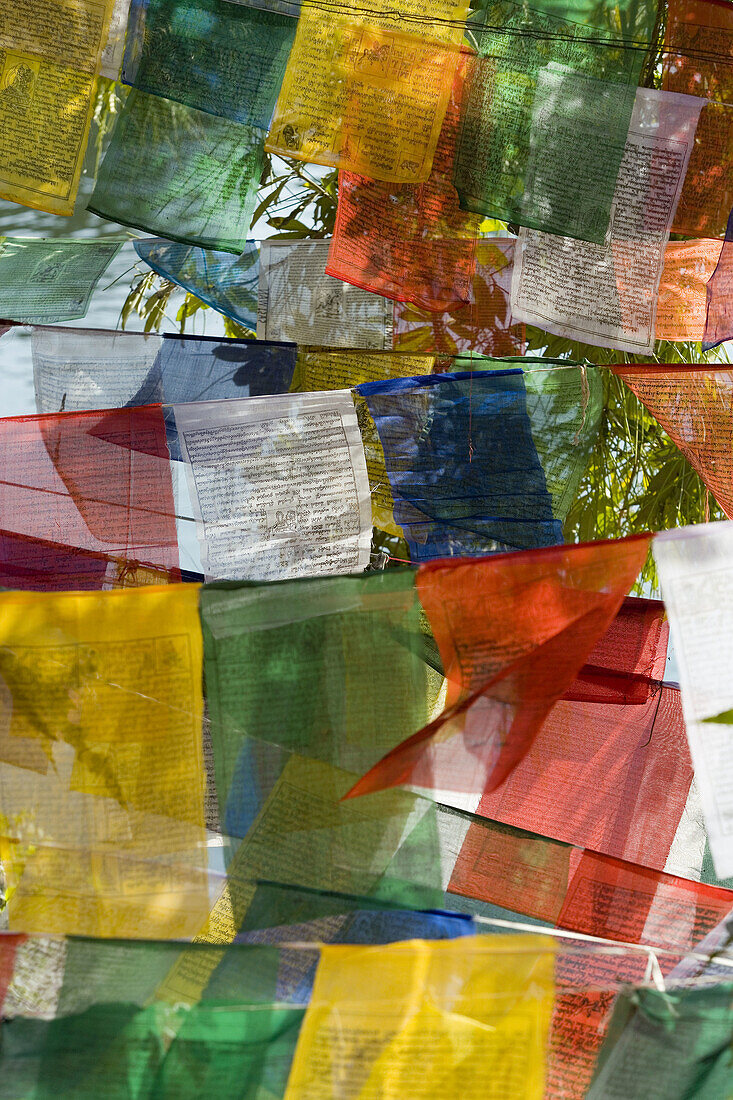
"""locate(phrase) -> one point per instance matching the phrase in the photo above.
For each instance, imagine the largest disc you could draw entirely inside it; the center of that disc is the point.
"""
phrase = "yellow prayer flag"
(102, 776)
(364, 97)
(50, 53)
(464, 1019)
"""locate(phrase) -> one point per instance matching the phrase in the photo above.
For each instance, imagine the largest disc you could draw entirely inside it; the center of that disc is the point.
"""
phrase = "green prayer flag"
(180, 173)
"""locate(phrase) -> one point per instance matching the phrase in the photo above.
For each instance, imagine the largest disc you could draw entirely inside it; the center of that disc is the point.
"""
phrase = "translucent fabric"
(551, 86)
(79, 369)
(102, 774)
(409, 242)
(227, 283)
(50, 54)
(695, 408)
(463, 467)
(456, 1019)
(682, 303)
(697, 582)
(607, 294)
(43, 281)
(399, 849)
(98, 481)
(179, 172)
(583, 891)
(279, 485)
(220, 57)
(620, 790)
(37, 565)
(298, 301)
(676, 1045)
(719, 317)
(326, 369)
(698, 60)
(343, 678)
(365, 95)
(513, 632)
(484, 325)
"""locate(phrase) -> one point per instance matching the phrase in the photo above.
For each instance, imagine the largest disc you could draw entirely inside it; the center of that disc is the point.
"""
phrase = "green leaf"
(725, 718)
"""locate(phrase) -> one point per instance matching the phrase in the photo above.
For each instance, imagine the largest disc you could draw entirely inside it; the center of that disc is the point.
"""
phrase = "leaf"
(725, 718)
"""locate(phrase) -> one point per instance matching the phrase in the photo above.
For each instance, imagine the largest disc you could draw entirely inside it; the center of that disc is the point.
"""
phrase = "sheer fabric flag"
(225, 282)
(279, 485)
(223, 58)
(366, 96)
(606, 294)
(698, 60)
(483, 325)
(409, 242)
(696, 411)
(324, 369)
(299, 302)
(102, 775)
(676, 1045)
(457, 1019)
(332, 668)
(697, 584)
(45, 281)
(179, 172)
(83, 369)
(719, 316)
(50, 53)
(462, 463)
(513, 632)
(682, 303)
(549, 88)
(99, 481)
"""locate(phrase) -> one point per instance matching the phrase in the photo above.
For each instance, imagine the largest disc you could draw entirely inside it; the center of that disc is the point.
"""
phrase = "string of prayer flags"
(76, 369)
(695, 409)
(224, 58)
(101, 762)
(606, 294)
(462, 464)
(513, 632)
(181, 173)
(719, 316)
(97, 481)
(366, 96)
(484, 325)
(425, 1019)
(676, 1043)
(44, 281)
(409, 242)
(400, 848)
(297, 301)
(298, 505)
(698, 60)
(551, 86)
(50, 51)
(225, 282)
(695, 576)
